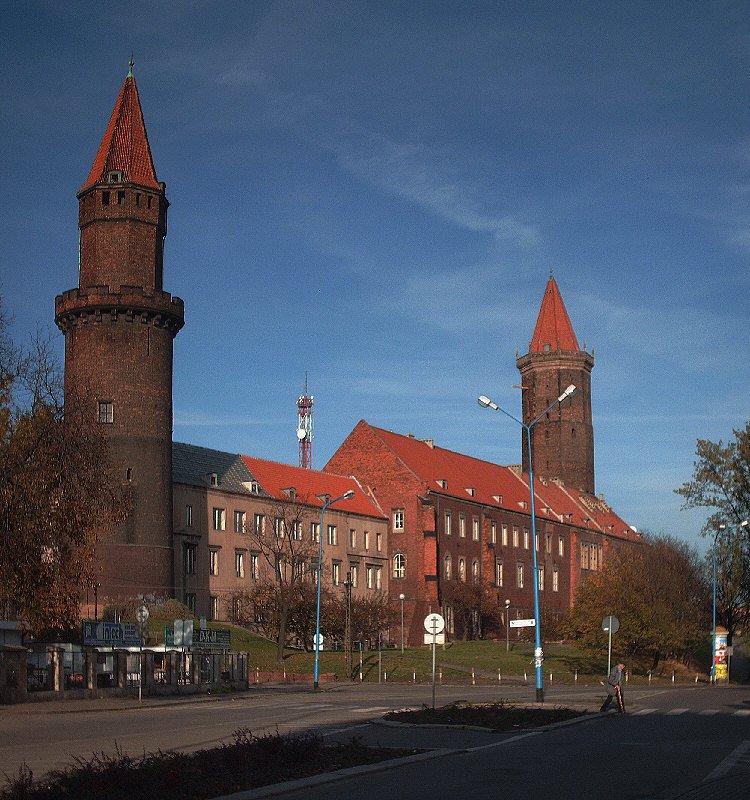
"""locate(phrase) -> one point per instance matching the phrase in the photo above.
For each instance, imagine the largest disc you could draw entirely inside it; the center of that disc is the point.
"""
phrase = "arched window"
(475, 570)
(448, 567)
(399, 565)
(462, 569)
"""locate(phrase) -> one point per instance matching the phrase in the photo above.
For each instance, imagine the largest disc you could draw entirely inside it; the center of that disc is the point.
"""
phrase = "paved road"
(672, 739)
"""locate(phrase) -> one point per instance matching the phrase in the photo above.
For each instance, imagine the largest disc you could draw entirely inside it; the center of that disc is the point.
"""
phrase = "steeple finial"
(131, 64)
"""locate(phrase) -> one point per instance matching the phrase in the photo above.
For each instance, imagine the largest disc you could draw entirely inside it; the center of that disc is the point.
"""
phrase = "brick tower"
(562, 442)
(119, 327)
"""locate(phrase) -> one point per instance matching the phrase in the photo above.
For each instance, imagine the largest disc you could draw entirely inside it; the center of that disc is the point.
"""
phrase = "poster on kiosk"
(721, 656)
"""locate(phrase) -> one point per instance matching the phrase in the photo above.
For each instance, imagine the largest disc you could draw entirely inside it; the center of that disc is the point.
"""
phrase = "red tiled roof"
(553, 326)
(125, 144)
(449, 473)
(308, 484)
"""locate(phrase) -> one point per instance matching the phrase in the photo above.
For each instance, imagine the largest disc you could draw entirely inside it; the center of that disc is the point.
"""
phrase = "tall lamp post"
(402, 597)
(507, 626)
(485, 402)
(346, 496)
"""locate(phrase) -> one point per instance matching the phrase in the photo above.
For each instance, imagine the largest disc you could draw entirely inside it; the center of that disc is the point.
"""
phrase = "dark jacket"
(615, 679)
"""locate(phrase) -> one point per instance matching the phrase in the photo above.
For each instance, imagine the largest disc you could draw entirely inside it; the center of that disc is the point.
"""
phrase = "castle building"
(457, 522)
(119, 325)
(234, 514)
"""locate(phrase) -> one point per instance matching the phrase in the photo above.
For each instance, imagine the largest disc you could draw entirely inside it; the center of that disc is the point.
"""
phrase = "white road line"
(643, 711)
(708, 712)
(675, 711)
(740, 754)
(743, 712)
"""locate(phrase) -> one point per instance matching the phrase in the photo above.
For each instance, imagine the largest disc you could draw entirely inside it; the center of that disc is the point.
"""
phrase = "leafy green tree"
(721, 481)
(658, 592)
(56, 490)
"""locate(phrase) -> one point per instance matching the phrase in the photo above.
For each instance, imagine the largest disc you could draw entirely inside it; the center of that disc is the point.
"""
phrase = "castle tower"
(119, 327)
(562, 442)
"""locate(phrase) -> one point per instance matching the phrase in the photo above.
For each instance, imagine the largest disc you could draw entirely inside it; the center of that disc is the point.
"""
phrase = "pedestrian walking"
(614, 688)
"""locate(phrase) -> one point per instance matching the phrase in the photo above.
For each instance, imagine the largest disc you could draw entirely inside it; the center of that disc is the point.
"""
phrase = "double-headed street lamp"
(346, 496)
(485, 402)
(722, 527)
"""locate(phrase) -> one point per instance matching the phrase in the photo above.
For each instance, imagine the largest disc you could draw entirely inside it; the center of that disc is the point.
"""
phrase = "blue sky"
(375, 193)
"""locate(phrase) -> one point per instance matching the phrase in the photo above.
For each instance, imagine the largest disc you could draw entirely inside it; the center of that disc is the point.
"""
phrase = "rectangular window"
(373, 577)
(190, 601)
(239, 564)
(354, 574)
(336, 573)
(515, 536)
(498, 573)
(213, 562)
(315, 532)
(519, 575)
(525, 538)
(560, 546)
(220, 519)
(594, 557)
(584, 555)
(398, 519)
(297, 530)
(106, 411)
(447, 523)
(278, 527)
(548, 543)
(352, 538)
(254, 566)
(214, 607)
(259, 524)
(555, 579)
(505, 535)
(188, 516)
(462, 526)
(378, 540)
(540, 571)
(493, 532)
(367, 540)
(475, 529)
(239, 521)
(333, 536)
(189, 559)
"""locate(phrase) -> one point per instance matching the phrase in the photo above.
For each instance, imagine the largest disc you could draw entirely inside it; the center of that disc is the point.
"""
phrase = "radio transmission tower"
(305, 428)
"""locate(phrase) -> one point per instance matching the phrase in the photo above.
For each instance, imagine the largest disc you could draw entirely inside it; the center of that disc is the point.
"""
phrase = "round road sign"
(434, 623)
(611, 623)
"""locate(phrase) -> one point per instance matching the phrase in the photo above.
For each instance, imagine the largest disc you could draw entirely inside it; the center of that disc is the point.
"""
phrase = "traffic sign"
(523, 623)
(434, 623)
(611, 623)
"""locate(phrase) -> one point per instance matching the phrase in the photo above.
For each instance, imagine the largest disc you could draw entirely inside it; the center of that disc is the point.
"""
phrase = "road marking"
(708, 712)
(643, 711)
(743, 712)
(675, 711)
(371, 710)
(739, 757)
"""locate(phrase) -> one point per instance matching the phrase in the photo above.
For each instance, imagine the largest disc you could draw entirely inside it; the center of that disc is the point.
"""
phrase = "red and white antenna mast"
(305, 428)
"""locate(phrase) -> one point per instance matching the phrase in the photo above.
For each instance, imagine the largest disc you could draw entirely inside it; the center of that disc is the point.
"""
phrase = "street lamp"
(402, 597)
(485, 402)
(722, 527)
(507, 626)
(346, 496)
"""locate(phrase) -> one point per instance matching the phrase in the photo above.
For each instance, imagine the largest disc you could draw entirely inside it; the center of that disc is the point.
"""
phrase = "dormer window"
(471, 491)
(442, 483)
(498, 498)
(115, 176)
(290, 492)
(213, 479)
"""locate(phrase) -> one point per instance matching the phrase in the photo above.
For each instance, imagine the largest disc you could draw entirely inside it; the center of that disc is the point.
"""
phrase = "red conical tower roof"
(553, 327)
(125, 145)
